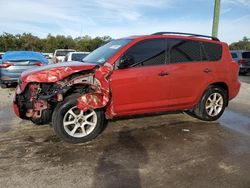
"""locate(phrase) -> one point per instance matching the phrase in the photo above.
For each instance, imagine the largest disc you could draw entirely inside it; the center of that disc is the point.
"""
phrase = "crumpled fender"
(101, 96)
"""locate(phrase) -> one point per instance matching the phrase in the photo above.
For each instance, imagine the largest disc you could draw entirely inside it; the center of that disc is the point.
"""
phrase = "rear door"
(142, 88)
(190, 70)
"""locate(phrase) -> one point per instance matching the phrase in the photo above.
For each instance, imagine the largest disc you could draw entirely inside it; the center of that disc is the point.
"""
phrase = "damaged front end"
(36, 101)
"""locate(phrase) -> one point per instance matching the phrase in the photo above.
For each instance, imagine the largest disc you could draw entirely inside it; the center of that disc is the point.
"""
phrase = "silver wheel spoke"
(72, 113)
(210, 111)
(209, 106)
(81, 113)
(210, 100)
(73, 131)
(214, 97)
(89, 123)
(219, 100)
(69, 123)
(83, 130)
(89, 115)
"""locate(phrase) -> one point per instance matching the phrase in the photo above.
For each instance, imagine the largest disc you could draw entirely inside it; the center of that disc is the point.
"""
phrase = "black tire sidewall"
(57, 121)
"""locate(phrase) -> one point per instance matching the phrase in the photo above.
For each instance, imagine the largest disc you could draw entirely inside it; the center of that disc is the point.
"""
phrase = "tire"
(75, 126)
(212, 104)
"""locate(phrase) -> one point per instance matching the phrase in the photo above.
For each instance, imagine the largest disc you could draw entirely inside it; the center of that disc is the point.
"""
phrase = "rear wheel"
(211, 105)
(75, 126)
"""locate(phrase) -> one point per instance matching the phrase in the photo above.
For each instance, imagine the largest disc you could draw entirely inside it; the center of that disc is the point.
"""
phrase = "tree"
(27, 41)
(243, 44)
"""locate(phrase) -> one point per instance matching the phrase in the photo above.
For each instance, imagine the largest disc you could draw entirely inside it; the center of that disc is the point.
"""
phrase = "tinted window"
(184, 51)
(213, 51)
(234, 55)
(246, 55)
(148, 52)
(78, 57)
(62, 53)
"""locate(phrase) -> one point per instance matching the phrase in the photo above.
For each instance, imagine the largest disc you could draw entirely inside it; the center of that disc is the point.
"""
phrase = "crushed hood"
(54, 72)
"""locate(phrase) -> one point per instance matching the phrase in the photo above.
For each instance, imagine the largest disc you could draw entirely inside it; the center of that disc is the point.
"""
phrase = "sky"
(120, 18)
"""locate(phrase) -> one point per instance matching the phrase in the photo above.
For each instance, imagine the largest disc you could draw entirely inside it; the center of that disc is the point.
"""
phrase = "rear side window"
(213, 51)
(184, 51)
(148, 52)
(234, 55)
(246, 55)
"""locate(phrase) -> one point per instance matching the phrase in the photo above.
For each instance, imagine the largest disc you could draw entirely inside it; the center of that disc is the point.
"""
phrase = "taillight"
(5, 64)
(38, 63)
(241, 61)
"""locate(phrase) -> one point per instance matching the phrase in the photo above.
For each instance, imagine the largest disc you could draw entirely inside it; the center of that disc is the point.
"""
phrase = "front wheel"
(211, 105)
(75, 126)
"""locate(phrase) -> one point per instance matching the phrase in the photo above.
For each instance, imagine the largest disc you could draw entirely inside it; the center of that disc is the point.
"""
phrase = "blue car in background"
(13, 63)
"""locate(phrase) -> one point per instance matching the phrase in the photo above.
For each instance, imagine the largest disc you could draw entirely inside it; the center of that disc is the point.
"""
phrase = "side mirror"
(126, 61)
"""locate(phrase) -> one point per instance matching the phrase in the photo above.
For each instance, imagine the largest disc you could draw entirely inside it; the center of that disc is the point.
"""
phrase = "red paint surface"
(101, 96)
(54, 72)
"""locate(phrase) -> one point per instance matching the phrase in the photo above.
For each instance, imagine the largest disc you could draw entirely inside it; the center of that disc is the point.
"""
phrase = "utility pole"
(216, 18)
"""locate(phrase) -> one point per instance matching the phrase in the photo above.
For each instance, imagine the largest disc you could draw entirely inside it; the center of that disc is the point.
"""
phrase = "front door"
(142, 87)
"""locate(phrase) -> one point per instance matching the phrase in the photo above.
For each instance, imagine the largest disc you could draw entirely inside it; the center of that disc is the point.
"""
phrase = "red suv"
(133, 75)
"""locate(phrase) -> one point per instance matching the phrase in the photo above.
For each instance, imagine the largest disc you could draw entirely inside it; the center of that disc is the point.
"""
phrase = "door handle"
(207, 70)
(163, 74)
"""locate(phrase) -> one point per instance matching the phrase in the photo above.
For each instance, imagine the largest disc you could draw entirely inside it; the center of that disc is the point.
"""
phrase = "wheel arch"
(77, 88)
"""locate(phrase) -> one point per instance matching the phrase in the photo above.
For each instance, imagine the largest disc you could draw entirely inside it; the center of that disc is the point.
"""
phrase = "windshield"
(63, 53)
(102, 54)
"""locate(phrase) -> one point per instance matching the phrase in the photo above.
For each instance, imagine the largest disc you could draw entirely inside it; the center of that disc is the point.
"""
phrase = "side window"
(213, 51)
(234, 55)
(184, 51)
(148, 52)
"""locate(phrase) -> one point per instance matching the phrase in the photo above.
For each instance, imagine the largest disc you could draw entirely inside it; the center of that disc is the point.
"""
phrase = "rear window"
(78, 57)
(246, 55)
(213, 51)
(234, 55)
(63, 53)
(184, 51)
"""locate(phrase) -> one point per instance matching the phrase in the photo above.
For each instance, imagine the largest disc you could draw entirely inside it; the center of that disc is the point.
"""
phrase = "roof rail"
(189, 34)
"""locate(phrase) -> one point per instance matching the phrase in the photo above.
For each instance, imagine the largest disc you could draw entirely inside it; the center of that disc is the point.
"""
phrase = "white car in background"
(60, 54)
(75, 56)
(48, 56)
